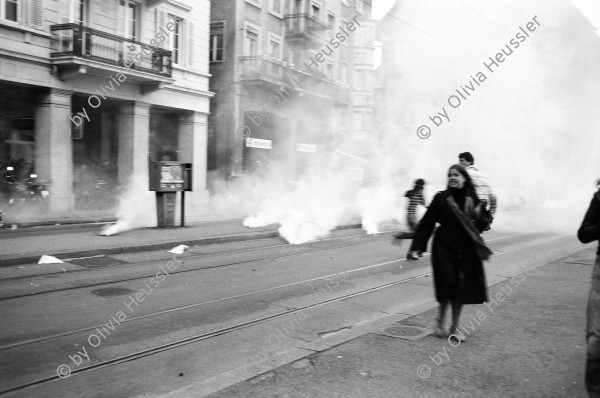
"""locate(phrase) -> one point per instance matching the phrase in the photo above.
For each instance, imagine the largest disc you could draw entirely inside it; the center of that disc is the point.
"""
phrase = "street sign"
(259, 143)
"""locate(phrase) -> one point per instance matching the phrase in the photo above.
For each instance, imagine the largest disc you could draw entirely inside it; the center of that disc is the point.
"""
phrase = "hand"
(396, 241)
(413, 255)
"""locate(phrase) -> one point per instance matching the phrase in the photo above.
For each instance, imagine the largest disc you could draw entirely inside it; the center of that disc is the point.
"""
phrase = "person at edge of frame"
(589, 231)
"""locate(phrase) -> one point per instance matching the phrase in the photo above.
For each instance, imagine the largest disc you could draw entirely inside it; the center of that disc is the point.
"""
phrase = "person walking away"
(415, 197)
(481, 183)
(589, 231)
(458, 250)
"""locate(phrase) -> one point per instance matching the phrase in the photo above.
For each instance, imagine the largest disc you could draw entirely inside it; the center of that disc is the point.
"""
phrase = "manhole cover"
(404, 331)
(112, 291)
(97, 262)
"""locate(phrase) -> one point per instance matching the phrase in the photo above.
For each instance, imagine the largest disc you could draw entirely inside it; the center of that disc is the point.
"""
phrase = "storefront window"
(164, 132)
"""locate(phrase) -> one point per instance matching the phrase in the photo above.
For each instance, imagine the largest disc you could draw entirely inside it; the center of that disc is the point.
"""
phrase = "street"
(150, 323)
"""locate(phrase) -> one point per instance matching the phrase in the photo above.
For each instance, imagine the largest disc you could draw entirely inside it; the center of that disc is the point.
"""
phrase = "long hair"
(468, 182)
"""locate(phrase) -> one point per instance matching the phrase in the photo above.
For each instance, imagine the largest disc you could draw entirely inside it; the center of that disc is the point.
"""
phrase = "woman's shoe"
(460, 337)
(439, 330)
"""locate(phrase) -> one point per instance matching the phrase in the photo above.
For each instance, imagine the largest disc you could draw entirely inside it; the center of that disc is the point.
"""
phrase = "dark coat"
(457, 270)
(589, 230)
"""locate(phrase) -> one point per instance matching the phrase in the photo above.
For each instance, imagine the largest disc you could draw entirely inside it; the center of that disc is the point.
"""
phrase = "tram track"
(193, 305)
(224, 330)
(52, 275)
(162, 261)
(215, 333)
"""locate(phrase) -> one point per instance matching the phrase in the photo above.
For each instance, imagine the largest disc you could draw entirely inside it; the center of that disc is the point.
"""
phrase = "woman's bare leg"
(456, 310)
(440, 319)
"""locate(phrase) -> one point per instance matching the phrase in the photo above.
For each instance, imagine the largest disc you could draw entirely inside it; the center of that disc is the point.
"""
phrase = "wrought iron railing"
(263, 67)
(299, 24)
(80, 41)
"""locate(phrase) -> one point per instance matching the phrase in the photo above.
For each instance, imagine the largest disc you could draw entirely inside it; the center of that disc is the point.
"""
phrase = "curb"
(13, 261)
(74, 223)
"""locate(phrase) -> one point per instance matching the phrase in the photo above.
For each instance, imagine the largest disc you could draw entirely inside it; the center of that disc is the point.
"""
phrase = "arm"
(493, 203)
(422, 199)
(589, 230)
(426, 225)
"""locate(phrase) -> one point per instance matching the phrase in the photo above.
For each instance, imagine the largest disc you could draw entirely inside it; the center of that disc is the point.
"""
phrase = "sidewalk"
(22, 246)
(528, 341)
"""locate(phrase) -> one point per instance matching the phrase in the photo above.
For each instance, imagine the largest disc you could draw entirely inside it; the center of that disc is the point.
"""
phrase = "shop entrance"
(95, 157)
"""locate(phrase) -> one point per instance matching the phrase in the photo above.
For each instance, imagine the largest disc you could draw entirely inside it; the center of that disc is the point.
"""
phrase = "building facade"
(92, 90)
(283, 73)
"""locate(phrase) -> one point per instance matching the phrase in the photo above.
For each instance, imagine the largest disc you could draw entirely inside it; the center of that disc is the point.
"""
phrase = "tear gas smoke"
(532, 126)
(137, 208)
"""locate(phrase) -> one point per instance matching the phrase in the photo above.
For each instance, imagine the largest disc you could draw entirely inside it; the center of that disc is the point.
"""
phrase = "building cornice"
(186, 70)
(26, 29)
(203, 93)
(180, 5)
(23, 56)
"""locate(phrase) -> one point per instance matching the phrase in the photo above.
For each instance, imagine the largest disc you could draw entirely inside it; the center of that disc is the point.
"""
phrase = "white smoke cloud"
(136, 208)
(532, 124)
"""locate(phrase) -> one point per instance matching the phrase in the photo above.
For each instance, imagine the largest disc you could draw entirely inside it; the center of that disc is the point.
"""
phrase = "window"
(72, 11)
(294, 57)
(174, 25)
(345, 42)
(345, 2)
(331, 23)
(10, 10)
(274, 47)
(316, 11)
(217, 31)
(276, 7)
(331, 20)
(274, 50)
(344, 72)
(329, 70)
(128, 14)
(360, 6)
(251, 37)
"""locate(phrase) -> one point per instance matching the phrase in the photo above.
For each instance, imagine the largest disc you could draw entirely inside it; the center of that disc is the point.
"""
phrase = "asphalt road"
(150, 323)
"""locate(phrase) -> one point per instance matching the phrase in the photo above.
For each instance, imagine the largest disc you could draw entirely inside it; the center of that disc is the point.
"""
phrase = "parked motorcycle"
(18, 190)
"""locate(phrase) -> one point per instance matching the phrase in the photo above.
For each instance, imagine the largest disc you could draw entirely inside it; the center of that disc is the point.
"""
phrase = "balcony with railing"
(319, 84)
(262, 68)
(306, 28)
(268, 71)
(76, 48)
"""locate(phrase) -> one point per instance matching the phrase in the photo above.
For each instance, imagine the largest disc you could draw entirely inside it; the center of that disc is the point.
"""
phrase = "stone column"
(133, 128)
(54, 149)
(193, 138)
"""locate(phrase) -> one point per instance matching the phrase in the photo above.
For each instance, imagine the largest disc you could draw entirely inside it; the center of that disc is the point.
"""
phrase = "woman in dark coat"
(458, 250)
(589, 232)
